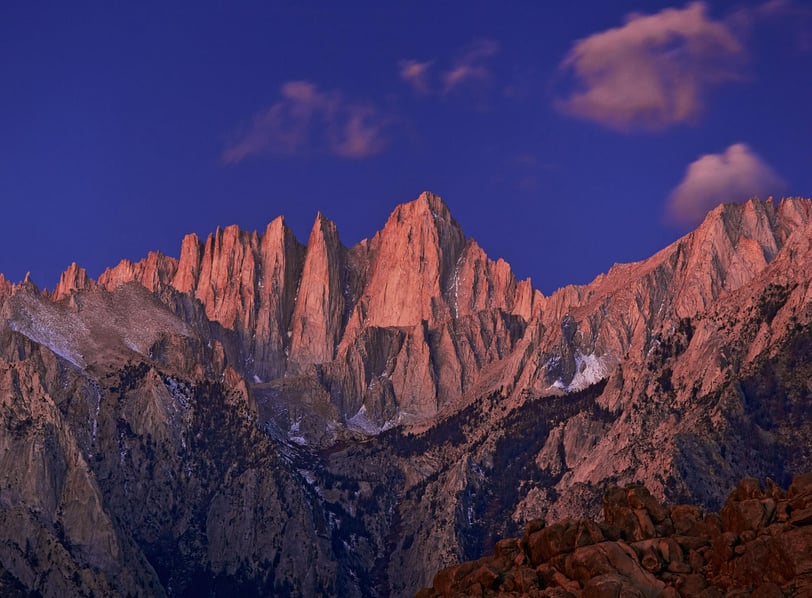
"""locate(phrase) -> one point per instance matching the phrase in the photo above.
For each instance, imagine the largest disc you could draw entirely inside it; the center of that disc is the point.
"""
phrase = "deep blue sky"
(558, 144)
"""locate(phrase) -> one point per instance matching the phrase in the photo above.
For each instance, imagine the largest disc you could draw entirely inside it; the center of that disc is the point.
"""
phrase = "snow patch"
(455, 284)
(360, 422)
(42, 330)
(130, 344)
(589, 370)
(179, 392)
(95, 423)
(295, 435)
(307, 475)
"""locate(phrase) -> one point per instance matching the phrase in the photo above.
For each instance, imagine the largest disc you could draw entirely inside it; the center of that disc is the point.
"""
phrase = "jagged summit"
(422, 284)
(318, 317)
(72, 279)
(310, 415)
(445, 322)
(426, 203)
(294, 307)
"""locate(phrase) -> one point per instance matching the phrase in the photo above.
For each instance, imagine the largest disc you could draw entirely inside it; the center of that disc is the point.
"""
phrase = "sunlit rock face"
(266, 416)
(398, 326)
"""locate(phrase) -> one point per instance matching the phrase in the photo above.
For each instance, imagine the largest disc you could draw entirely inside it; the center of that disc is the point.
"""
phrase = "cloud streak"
(734, 175)
(416, 74)
(653, 72)
(795, 19)
(471, 70)
(306, 119)
(472, 66)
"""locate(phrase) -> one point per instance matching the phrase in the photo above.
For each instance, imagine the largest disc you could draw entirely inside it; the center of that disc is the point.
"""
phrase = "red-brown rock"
(717, 563)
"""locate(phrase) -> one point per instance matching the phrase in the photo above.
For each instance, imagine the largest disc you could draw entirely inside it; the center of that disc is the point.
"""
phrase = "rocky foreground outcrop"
(759, 545)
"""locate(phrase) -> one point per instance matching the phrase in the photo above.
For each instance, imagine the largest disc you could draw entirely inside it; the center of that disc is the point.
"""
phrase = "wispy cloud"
(795, 20)
(416, 74)
(654, 71)
(734, 175)
(307, 119)
(471, 69)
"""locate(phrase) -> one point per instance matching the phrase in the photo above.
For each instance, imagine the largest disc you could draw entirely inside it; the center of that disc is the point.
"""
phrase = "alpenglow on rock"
(265, 417)
(424, 300)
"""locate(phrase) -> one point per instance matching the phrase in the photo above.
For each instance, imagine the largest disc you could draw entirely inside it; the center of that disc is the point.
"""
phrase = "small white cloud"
(653, 72)
(308, 119)
(734, 175)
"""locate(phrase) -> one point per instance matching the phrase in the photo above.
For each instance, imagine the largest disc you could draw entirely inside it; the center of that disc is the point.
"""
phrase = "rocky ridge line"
(686, 372)
(447, 324)
(419, 294)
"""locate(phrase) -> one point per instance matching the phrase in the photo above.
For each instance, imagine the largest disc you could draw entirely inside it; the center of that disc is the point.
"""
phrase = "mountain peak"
(259, 364)
(416, 254)
(5, 288)
(434, 202)
(73, 279)
(318, 314)
(426, 204)
(323, 225)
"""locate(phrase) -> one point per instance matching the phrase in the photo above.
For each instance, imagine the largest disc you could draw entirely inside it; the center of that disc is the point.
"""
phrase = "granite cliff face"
(395, 329)
(264, 416)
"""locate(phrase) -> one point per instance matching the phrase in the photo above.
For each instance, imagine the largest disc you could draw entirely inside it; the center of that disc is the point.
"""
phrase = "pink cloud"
(416, 73)
(792, 15)
(794, 19)
(734, 175)
(472, 65)
(654, 71)
(307, 119)
(471, 70)
(357, 134)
